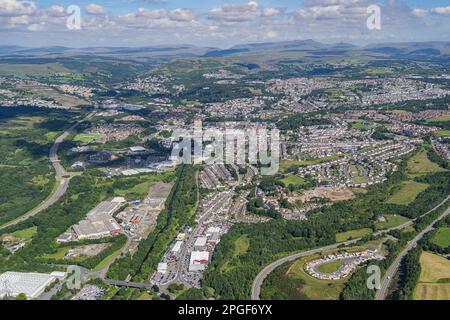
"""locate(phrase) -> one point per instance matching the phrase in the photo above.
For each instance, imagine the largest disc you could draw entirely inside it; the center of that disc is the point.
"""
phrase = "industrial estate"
(340, 165)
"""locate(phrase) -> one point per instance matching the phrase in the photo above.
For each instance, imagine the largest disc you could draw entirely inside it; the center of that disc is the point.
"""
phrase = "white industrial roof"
(162, 267)
(213, 230)
(200, 242)
(31, 284)
(137, 148)
(199, 257)
(177, 246)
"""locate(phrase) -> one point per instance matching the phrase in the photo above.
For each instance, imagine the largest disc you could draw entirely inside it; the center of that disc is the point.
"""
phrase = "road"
(387, 279)
(128, 284)
(61, 177)
(257, 283)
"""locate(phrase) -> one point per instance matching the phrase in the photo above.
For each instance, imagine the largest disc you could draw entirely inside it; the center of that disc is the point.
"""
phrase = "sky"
(219, 23)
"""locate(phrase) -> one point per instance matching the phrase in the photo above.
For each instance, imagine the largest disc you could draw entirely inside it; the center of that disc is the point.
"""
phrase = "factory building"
(198, 260)
(99, 223)
(162, 267)
(200, 243)
(177, 246)
(31, 284)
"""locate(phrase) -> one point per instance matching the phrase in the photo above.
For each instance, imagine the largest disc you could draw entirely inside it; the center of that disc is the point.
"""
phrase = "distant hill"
(298, 51)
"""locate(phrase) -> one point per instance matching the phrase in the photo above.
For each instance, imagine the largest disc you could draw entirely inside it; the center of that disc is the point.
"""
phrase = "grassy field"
(434, 278)
(408, 229)
(442, 133)
(330, 267)
(292, 282)
(86, 138)
(439, 119)
(407, 193)
(26, 70)
(419, 164)
(241, 245)
(391, 221)
(442, 238)
(107, 260)
(293, 179)
(359, 126)
(314, 288)
(352, 234)
(59, 254)
(140, 190)
(25, 233)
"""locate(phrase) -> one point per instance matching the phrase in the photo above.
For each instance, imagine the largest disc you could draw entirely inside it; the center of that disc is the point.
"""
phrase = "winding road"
(62, 179)
(257, 283)
(387, 279)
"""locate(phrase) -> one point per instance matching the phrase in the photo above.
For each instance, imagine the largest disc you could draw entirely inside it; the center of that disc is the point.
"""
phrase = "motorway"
(257, 283)
(61, 177)
(387, 279)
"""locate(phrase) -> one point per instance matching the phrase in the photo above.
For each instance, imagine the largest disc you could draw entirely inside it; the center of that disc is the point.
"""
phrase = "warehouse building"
(99, 223)
(162, 267)
(31, 284)
(200, 243)
(198, 260)
(177, 246)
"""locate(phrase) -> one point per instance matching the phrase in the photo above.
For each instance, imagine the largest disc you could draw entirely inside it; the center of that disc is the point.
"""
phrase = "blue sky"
(124, 6)
(220, 23)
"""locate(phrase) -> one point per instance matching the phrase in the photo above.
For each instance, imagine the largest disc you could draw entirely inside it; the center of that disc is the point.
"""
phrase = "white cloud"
(181, 15)
(95, 9)
(420, 12)
(441, 10)
(17, 8)
(36, 27)
(271, 12)
(56, 11)
(20, 20)
(271, 35)
(235, 12)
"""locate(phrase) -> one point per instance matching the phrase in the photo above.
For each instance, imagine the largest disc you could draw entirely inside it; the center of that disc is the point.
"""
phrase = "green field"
(359, 126)
(419, 164)
(442, 133)
(241, 245)
(443, 118)
(330, 267)
(59, 254)
(107, 260)
(442, 238)
(314, 288)
(434, 278)
(391, 221)
(293, 179)
(407, 193)
(142, 187)
(27, 70)
(86, 138)
(352, 234)
(25, 233)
